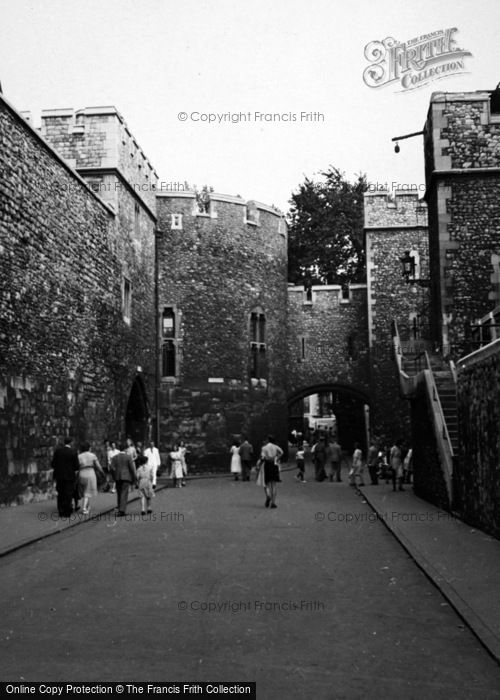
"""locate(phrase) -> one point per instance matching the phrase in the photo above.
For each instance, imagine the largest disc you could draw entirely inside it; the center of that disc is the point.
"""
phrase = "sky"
(166, 66)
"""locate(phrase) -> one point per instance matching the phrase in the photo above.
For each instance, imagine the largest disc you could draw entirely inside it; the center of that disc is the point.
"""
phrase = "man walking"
(319, 452)
(373, 463)
(65, 467)
(246, 454)
(124, 474)
(335, 453)
(154, 462)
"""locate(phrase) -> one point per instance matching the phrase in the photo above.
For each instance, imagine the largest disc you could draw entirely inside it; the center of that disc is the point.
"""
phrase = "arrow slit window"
(168, 332)
(258, 369)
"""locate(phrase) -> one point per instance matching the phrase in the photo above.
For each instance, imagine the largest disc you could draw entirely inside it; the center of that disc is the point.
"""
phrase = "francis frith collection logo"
(414, 63)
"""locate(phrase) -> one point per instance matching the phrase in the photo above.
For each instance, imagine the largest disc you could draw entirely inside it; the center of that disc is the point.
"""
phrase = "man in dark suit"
(65, 467)
(123, 472)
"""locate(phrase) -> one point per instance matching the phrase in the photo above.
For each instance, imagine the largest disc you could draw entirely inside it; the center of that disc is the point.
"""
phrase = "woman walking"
(357, 466)
(89, 464)
(396, 461)
(270, 456)
(112, 451)
(145, 483)
(235, 460)
(177, 471)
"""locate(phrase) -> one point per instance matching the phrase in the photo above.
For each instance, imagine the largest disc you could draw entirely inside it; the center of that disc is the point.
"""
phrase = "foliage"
(326, 230)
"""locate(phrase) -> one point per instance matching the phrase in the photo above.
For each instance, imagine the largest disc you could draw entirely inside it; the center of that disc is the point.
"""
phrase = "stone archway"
(137, 415)
(350, 405)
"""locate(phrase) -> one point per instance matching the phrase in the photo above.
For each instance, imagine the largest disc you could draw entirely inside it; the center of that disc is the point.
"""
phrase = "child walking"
(145, 484)
(299, 458)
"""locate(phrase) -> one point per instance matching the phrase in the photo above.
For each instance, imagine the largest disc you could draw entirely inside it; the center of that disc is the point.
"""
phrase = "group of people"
(76, 474)
(394, 464)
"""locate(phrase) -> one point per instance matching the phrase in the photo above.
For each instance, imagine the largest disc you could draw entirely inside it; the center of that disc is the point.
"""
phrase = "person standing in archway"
(335, 454)
(320, 454)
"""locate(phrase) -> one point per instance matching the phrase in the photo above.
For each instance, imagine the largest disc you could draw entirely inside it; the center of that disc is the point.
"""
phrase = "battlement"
(401, 209)
(210, 205)
(96, 141)
(219, 197)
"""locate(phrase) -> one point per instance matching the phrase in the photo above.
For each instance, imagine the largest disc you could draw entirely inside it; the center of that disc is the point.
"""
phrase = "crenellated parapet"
(98, 144)
(401, 209)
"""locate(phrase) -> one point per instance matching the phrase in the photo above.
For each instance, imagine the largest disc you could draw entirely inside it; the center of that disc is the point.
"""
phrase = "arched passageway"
(333, 409)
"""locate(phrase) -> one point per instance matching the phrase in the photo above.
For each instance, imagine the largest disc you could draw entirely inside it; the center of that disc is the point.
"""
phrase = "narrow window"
(137, 210)
(258, 346)
(168, 359)
(168, 323)
(168, 332)
(127, 300)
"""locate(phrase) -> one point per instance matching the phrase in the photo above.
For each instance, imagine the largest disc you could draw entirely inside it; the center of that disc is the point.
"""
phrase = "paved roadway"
(307, 607)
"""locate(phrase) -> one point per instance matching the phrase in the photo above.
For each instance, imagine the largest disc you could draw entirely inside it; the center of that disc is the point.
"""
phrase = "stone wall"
(394, 225)
(462, 149)
(327, 337)
(477, 477)
(220, 265)
(68, 359)
(428, 480)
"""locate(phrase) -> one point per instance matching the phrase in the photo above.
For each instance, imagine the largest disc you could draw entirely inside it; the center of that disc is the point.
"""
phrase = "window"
(168, 323)
(176, 221)
(137, 211)
(258, 347)
(168, 359)
(127, 300)
(252, 214)
(168, 341)
(352, 346)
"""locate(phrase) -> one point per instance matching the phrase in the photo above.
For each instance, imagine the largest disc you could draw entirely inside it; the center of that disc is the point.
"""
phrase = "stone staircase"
(447, 392)
(416, 361)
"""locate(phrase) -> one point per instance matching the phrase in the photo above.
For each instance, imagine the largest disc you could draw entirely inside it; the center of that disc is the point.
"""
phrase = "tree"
(326, 230)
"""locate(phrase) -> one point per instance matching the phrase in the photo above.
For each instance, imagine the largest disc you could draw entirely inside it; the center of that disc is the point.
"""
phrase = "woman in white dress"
(235, 461)
(177, 470)
(87, 475)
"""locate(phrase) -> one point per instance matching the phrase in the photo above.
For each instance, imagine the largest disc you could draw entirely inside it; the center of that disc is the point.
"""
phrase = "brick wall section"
(462, 149)
(214, 272)
(477, 477)
(67, 357)
(392, 227)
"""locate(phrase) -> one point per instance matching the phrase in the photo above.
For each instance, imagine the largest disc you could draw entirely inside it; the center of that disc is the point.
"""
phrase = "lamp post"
(408, 263)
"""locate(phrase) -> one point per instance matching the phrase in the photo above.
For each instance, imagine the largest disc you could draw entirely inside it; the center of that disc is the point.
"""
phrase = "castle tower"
(222, 299)
(394, 227)
(98, 145)
(462, 162)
